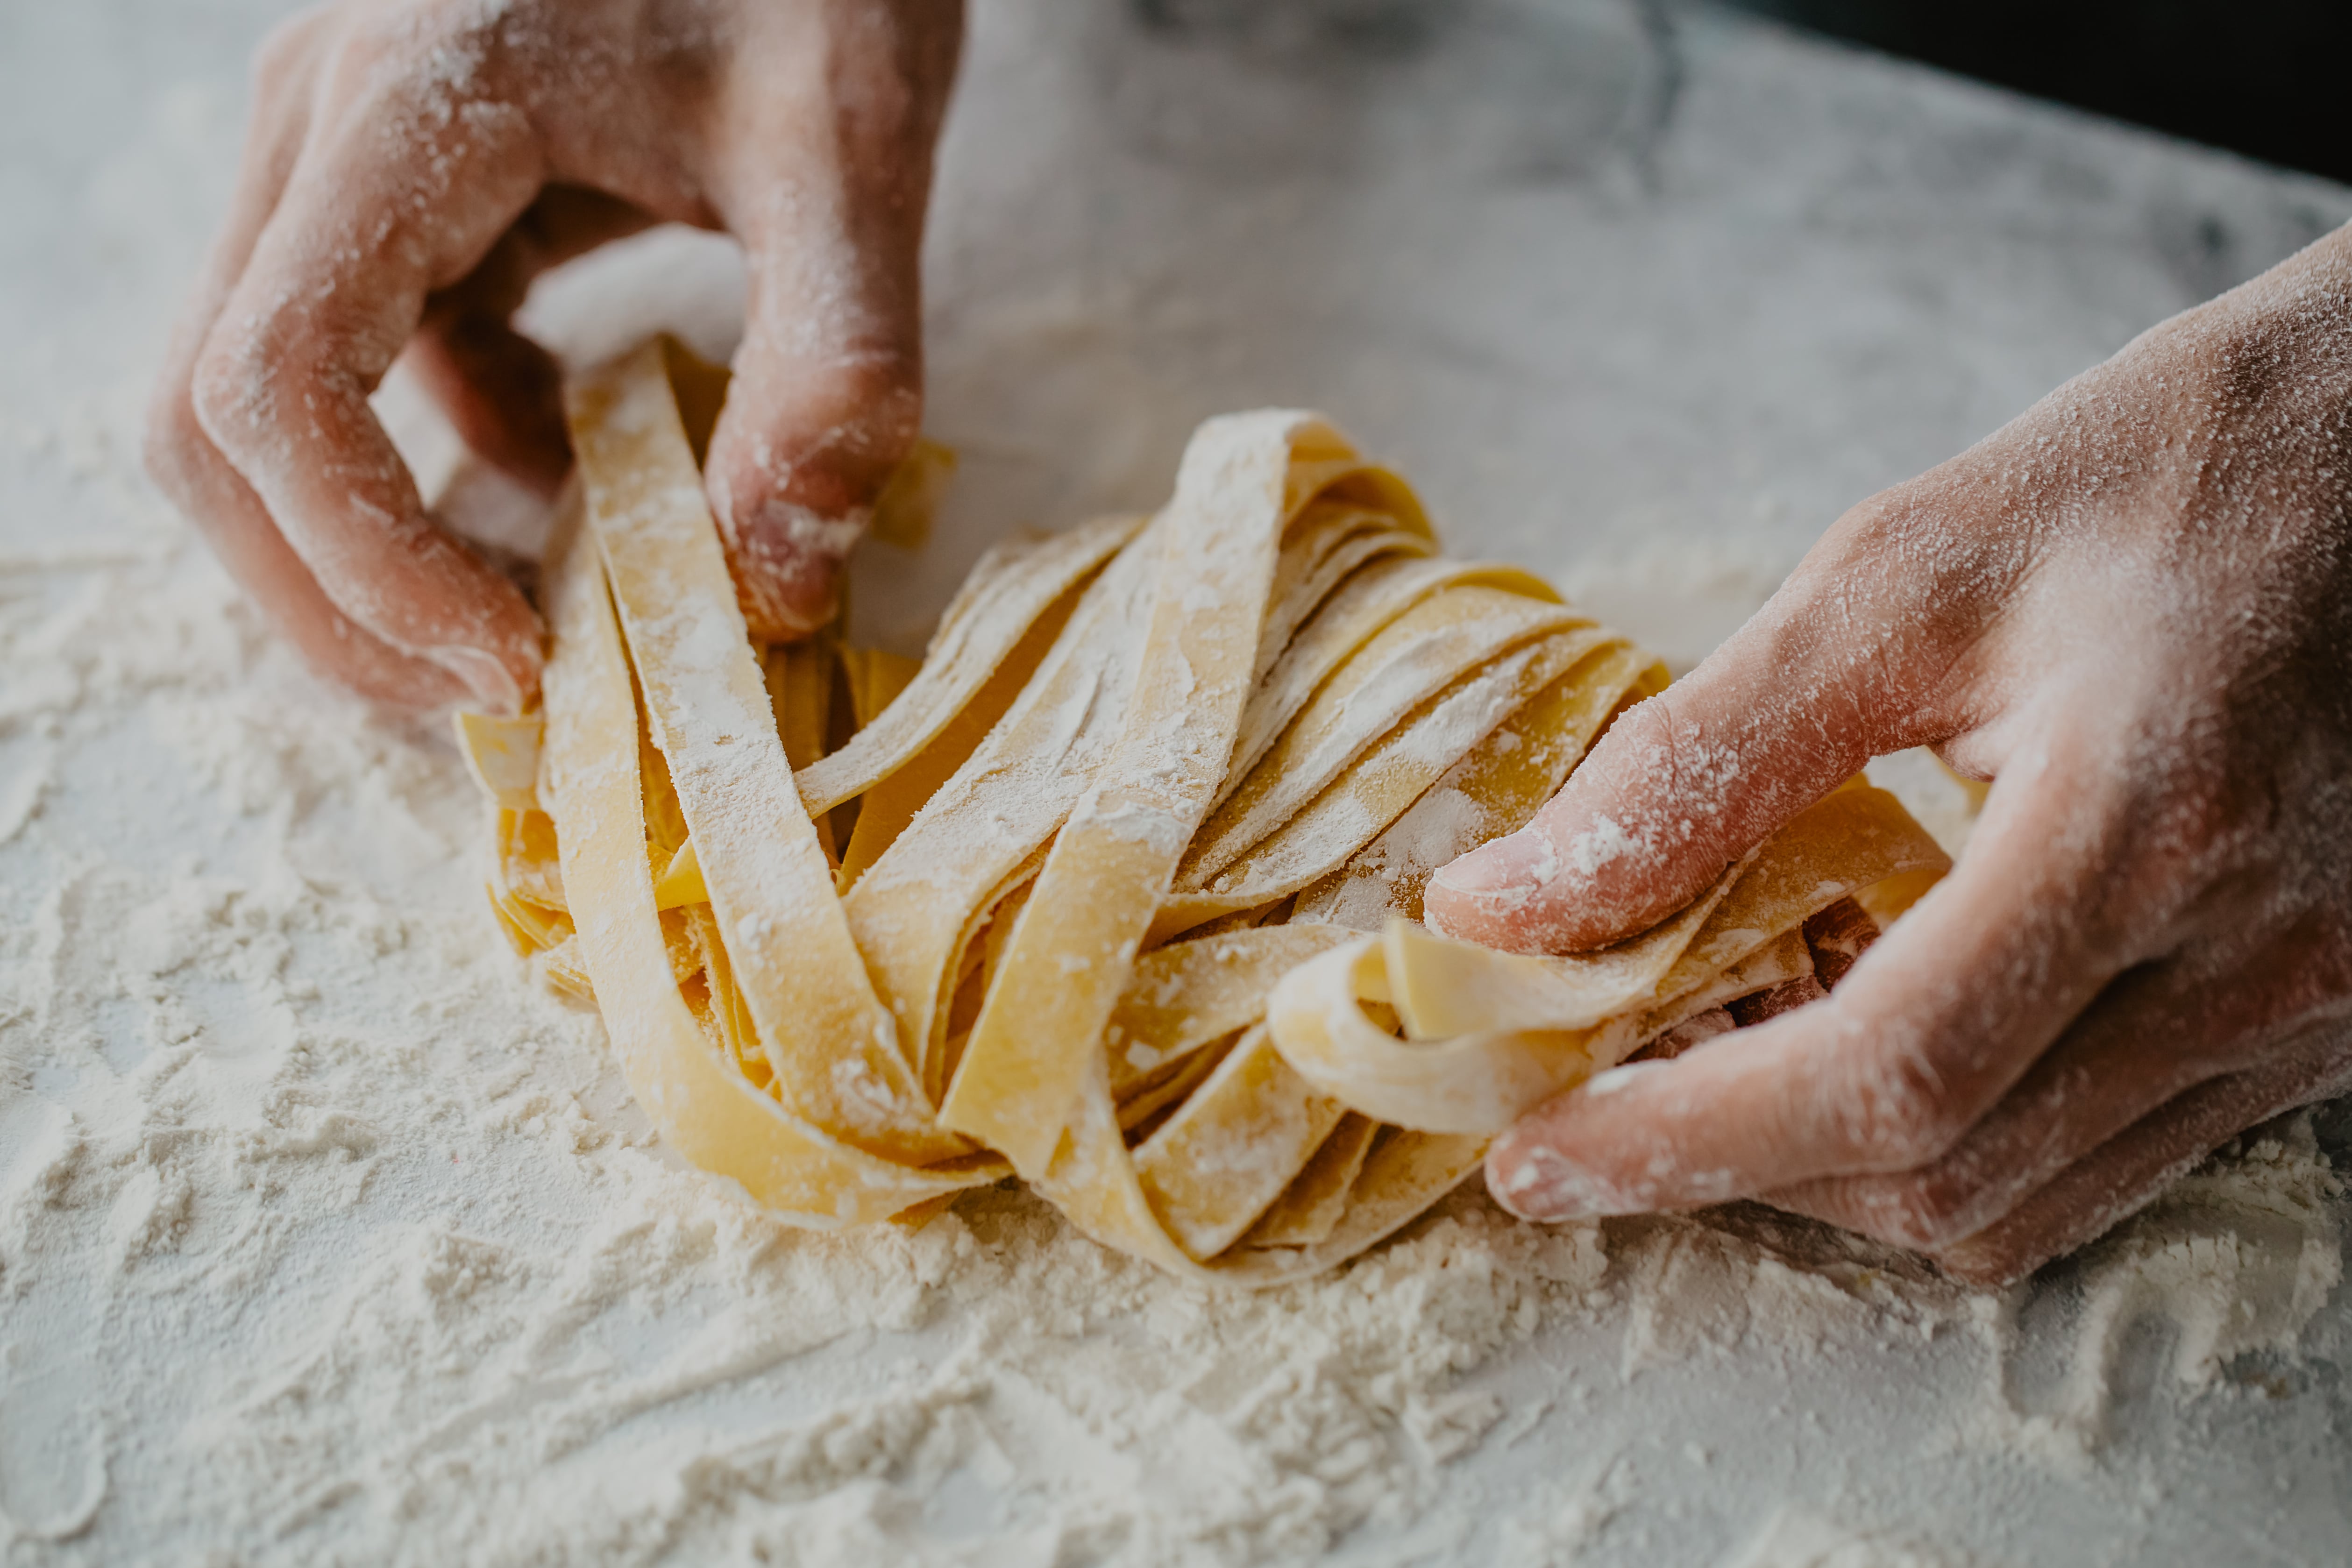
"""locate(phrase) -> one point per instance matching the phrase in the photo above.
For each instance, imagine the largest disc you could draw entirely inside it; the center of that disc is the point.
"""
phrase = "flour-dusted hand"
(2132, 609)
(413, 163)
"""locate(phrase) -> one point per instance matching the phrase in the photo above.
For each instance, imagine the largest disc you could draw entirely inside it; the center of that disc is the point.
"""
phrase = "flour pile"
(321, 1227)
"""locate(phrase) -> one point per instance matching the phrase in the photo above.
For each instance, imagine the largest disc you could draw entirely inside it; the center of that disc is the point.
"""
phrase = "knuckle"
(1873, 525)
(226, 390)
(381, 36)
(1869, 544)
(1654, 737)
(1934, 549)
(1931, 1209)
(870, 398)
(1899, 1112)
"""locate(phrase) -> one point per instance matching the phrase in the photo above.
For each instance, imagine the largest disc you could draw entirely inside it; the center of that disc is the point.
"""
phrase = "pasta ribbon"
(1117, 889)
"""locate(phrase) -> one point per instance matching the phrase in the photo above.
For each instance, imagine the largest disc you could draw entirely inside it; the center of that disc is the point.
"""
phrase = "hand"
(413, 163)
(2131, 609)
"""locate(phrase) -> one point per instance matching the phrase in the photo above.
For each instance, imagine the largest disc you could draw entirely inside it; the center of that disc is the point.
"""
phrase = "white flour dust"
(322, 1227)
(318, 1222)
(325, 1237)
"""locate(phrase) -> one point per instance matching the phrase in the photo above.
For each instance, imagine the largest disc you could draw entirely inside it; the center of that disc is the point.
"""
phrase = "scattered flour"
(321, 1227)
(2236, 1259)
(429, 1279)
(1605, 841)
(325, 1236)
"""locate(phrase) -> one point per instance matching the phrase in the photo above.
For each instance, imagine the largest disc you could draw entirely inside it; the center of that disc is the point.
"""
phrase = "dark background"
(2270, 79)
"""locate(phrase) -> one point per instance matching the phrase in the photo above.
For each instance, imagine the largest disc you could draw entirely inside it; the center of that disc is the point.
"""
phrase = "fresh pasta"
(1117, 891)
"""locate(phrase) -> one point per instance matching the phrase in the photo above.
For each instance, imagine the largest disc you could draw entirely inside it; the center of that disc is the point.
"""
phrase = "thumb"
(1815, 685)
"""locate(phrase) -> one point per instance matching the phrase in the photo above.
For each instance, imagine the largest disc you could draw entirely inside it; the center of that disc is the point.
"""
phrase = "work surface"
(324, 1238)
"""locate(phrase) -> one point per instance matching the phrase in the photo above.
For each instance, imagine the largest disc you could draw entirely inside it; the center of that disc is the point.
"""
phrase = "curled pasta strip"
(1115, 891)
(1481, 1037)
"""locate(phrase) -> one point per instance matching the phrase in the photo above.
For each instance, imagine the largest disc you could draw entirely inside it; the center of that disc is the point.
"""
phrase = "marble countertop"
(1642, 294)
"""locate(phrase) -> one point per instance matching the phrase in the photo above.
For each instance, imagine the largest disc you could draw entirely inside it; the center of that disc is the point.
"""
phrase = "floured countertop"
(324, 1239)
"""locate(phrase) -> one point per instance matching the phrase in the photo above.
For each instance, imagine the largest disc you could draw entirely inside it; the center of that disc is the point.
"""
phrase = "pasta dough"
(1117, 890)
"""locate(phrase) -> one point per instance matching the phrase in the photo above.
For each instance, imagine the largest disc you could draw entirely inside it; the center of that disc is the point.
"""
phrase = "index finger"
(394, 196)
(1853, 657)
(181, 457)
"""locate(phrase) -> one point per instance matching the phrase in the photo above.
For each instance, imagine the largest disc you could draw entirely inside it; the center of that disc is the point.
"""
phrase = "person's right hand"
(2132, 607)
(412, 164)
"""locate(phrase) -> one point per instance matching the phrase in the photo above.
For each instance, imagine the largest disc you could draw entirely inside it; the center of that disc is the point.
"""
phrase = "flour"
(279, 1109)
(2236, 1260)
(326, 1236)
(349, 1113)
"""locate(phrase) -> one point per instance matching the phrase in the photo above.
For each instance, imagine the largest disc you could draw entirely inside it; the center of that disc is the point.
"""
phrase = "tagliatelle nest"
(1116, 890)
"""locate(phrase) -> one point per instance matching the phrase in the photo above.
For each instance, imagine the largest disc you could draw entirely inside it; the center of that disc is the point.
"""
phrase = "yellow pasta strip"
(891, 803)
(1493, 1035)
(1401, 1177)
(1032, 1054)
(503, 756)
(527, 930)
(1012, 588)
(567, 971)
(528, 863)
(1262, 718)
(1140, 1101)
(1783, 957)
(702, 1105)
(800, 695)
(1409, 661)
(1391, 774)
(1496, 788)
(876, 676)
(1310, 1209)
(1323, 546)
(680, 883)
(708, 709)
(1476, 1083)
(699, 388)
(1850, 839)
(912, 911)
(1357, 611)
(1181, 997)
(1233, 1145)
(1885, 901)
(904, 510)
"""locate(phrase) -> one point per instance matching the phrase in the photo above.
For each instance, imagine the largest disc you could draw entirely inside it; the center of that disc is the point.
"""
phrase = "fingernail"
(1516, 867)
(786, 562)
(1538, 1183)
(1508, 865)
(1617, 1078)
(486, 678)
(1532, 1179)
